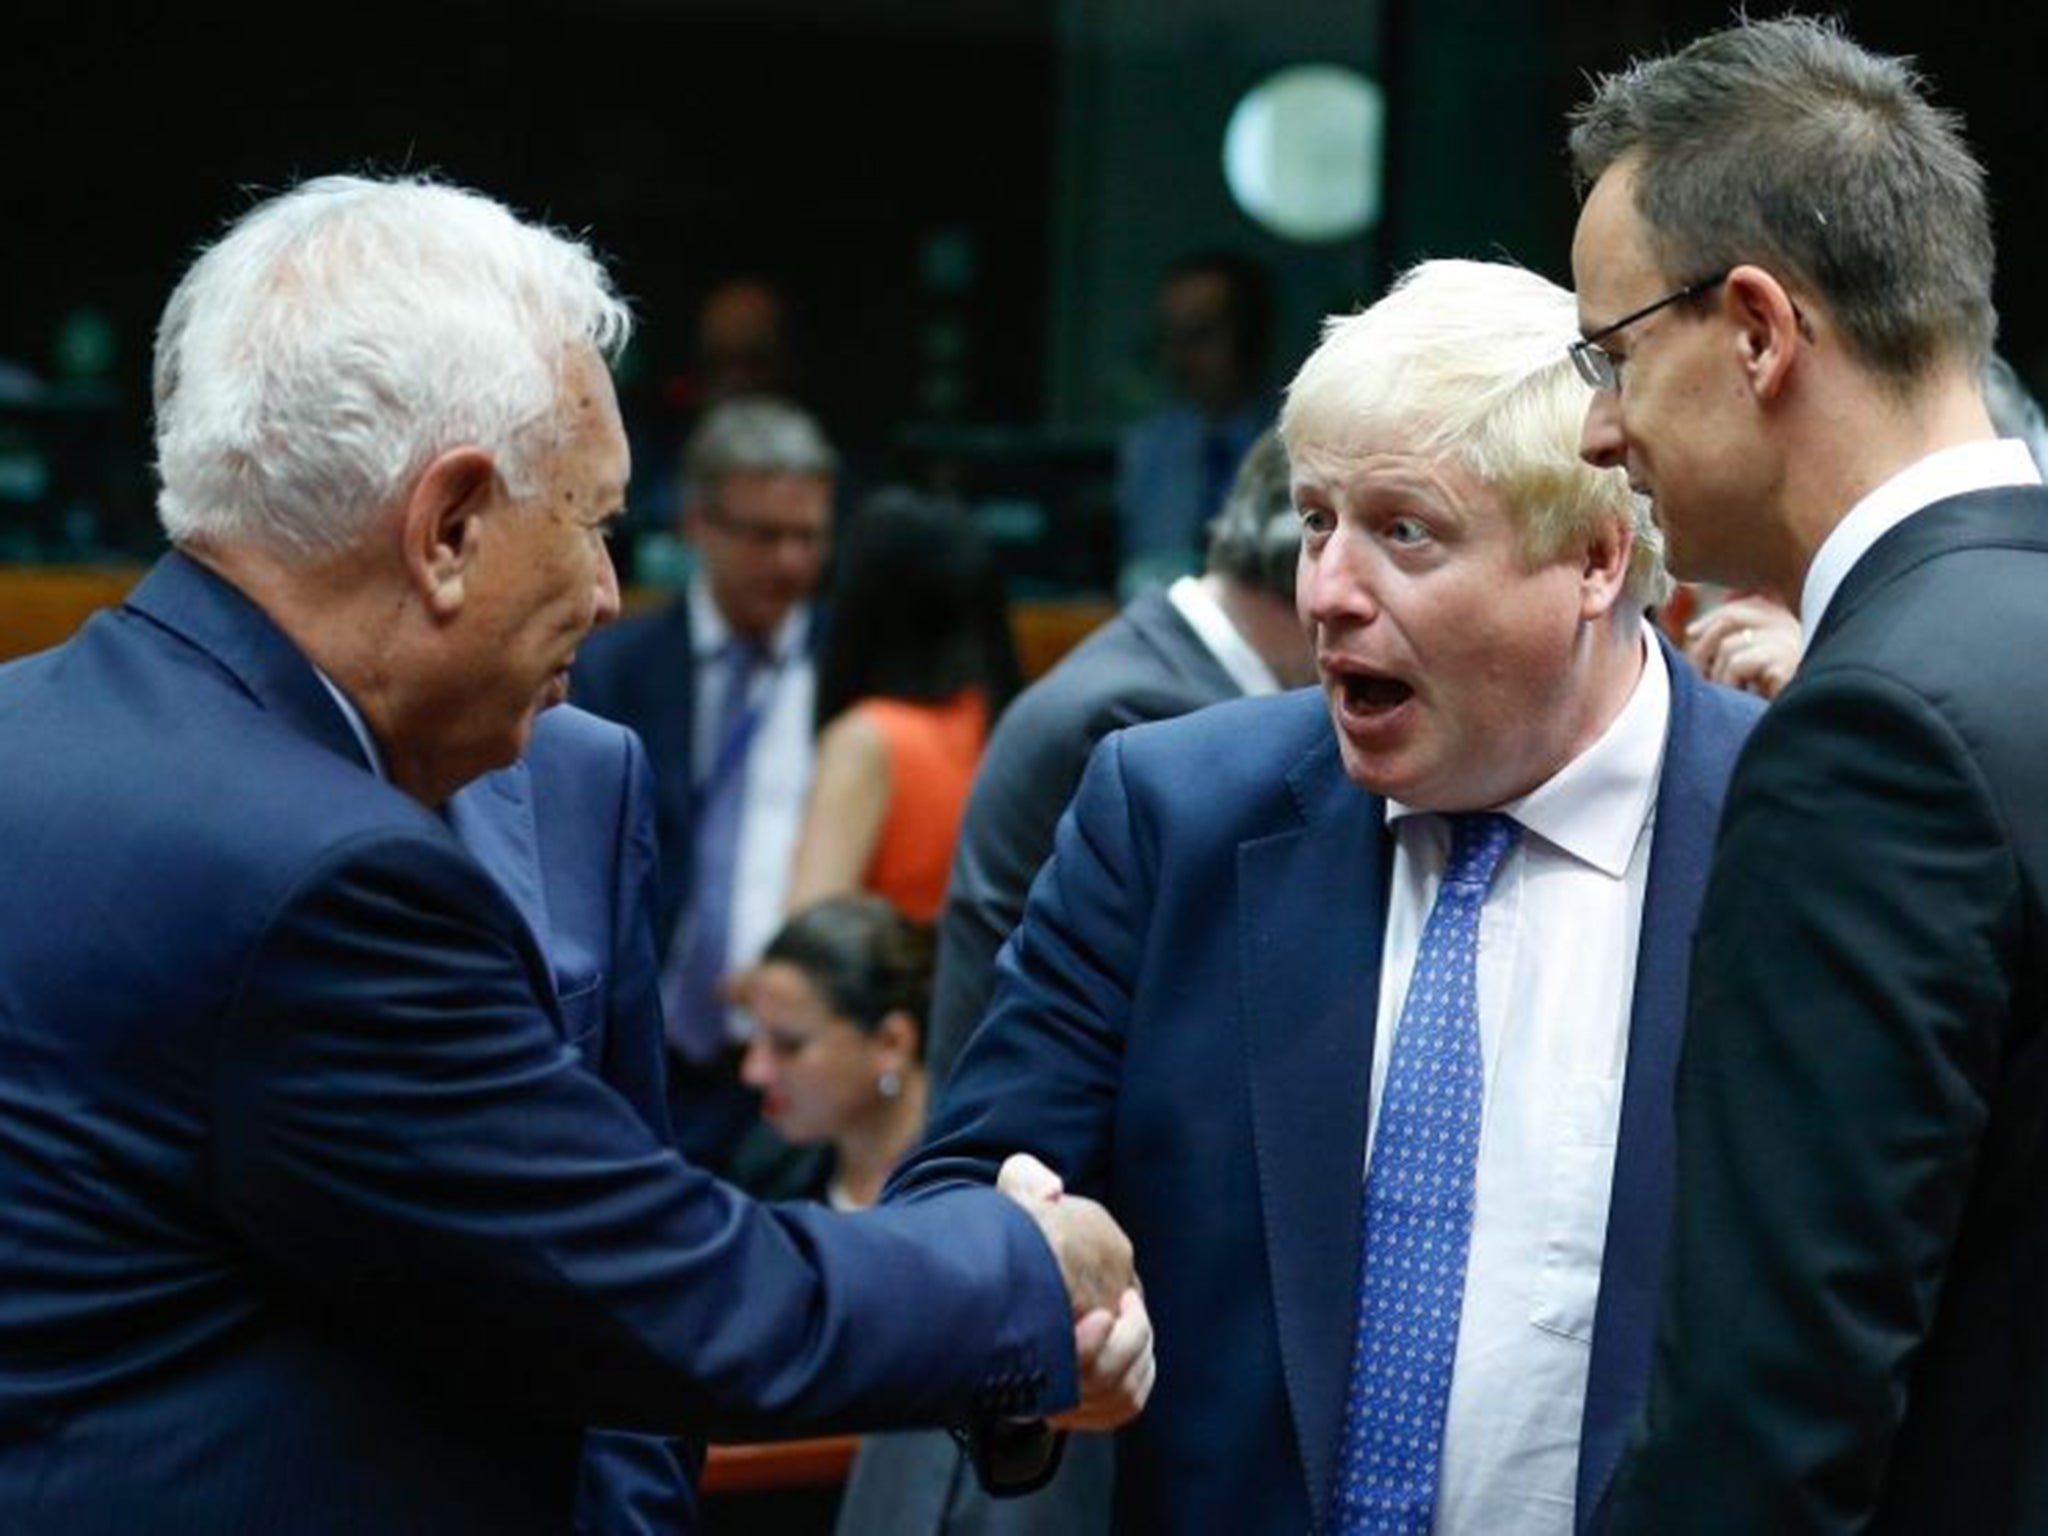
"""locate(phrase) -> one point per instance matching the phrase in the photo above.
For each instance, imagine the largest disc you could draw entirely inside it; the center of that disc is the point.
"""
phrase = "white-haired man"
(316, 1220)
(1359, 1006)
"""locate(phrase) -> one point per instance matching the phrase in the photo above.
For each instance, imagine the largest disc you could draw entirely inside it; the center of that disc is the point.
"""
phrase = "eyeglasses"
(766, 535)
(1601, 368)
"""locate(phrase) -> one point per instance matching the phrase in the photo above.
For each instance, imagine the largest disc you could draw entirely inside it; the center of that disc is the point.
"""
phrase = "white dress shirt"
(1949, 472)
(1556, 977)
(1213, 628)
(778, 773)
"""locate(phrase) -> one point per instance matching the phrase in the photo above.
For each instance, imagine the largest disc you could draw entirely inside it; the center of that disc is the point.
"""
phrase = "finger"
(1091, 1335)
(1024, 1177)
(1127, 1343)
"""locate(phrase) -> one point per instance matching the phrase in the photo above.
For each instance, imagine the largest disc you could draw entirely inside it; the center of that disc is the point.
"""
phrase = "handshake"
(1112, 1332)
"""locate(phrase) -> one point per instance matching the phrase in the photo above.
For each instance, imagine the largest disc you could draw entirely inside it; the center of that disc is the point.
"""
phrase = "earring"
(890, 1083)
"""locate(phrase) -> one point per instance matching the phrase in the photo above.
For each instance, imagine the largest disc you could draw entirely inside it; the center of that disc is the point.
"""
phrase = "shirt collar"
(1947, 472)
(1213, 628)
(710, 634)
(1594, 807)
(356, 723)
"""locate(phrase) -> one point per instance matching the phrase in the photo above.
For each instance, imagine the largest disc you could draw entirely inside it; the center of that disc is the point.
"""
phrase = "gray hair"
(1785, 144)
(760, 433)
(342, 334)
(1467, 361)
(1256, 537)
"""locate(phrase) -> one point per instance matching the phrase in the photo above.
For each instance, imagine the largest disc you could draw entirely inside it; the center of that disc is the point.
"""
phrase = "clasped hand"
(1112, 1331)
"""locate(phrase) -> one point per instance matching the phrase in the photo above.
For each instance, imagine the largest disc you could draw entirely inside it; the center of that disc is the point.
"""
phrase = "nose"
(755, 1068)
(607, 587)
(1601, 441)
(1331, 584)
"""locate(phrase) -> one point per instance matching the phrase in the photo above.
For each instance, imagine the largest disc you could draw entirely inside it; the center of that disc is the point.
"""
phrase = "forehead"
(1392, 469)
(1612, 267)
(783, 989)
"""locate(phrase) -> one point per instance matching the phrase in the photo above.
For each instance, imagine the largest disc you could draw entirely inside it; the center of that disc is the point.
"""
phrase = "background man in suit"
(1197, 1017)
(1229, 632)
(1784, 270)
(568, 834)
(719, 685)
(316, 1221)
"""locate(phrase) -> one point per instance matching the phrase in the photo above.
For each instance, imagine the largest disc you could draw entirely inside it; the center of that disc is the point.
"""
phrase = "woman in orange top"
(916, 664)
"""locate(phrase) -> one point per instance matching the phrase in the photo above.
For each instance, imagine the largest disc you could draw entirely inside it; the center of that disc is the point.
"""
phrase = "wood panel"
(41, 604)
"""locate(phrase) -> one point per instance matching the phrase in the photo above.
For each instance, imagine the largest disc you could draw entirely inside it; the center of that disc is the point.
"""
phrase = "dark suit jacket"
(1144, 664)
(568, 834)
(1183, 1025)
(1854, 1335)
(314, 1219)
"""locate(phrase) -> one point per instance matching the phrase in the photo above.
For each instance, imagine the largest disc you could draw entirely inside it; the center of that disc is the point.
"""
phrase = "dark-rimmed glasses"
(1601, 368)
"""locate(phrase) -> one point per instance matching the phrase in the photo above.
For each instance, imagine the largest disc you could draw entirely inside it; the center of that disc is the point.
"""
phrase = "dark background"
(836, 146)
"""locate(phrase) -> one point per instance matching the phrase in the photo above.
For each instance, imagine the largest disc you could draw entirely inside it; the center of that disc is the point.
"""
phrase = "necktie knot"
(1479, 841)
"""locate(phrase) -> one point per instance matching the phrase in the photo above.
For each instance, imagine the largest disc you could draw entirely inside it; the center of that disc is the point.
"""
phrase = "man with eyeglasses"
(1784, 273)
(719, 686)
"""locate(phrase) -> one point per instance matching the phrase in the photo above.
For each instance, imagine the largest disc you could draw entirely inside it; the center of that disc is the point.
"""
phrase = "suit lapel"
(2009, 515)
(1689, 794)
(1311, 910)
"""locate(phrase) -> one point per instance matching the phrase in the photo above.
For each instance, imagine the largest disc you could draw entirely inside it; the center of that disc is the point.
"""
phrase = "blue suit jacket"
(568, 834)
(1183, 1025)
(315, 1221)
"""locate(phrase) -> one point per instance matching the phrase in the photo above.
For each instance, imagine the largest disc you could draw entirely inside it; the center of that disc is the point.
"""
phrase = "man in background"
(719, 685)
(1175, 467)
(1784, 270)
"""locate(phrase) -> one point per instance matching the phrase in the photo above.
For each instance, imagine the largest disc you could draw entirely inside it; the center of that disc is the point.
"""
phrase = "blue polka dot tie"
(1418, 1210)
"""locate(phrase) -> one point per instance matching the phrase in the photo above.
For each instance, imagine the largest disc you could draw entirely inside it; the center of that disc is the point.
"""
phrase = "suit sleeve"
(1843, 1042)
(1043, 1073)
(402, 1133)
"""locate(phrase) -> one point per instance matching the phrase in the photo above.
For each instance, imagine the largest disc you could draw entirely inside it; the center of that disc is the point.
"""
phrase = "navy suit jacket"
(568, 834)
(315, 1220)
(1183, 1026)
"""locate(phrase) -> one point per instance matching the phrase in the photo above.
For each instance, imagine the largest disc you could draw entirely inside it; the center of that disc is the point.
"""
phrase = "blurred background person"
(1175, 466)
(917, 663)
(836, 1051)
(720, 685)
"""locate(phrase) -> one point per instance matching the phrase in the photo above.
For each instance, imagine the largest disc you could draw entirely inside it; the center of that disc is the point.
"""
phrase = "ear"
(1769, 328)
(899, 1035)
(439, 525)
(1603, 571)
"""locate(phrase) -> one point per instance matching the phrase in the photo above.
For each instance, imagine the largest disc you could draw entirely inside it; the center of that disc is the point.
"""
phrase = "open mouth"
(1368, 694)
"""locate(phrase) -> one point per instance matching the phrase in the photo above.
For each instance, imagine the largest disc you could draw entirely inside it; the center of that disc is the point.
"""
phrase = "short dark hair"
(1256, 538)
(916, 608)
(1787, 144)
(866, 959)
